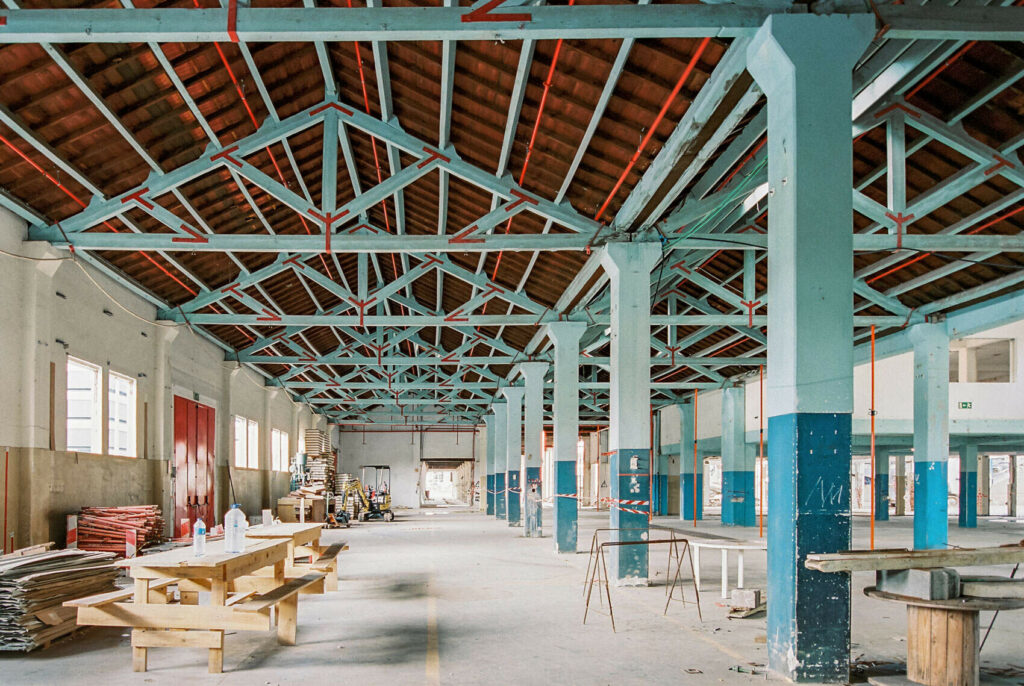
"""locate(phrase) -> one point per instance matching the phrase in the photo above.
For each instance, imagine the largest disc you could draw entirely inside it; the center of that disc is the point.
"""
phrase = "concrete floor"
(452, 597)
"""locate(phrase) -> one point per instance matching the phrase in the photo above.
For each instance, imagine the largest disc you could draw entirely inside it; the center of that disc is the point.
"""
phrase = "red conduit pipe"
(760, 452)
(533, 138)
(81, 204)
(654, 126)
(694, 458)
(7, 460)
(252, 117)
(873, 471)
(920, 257)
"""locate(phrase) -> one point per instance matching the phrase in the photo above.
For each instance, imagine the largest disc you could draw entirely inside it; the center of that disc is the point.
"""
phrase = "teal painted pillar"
(881, 478)
(968, 518)
(660, 485)
(533, 373)
(500, 421)
(737, 462)
(931, 434)
(691, 467)
(566, 412)
(629, 436)
(489, 424)
(804, 65)
(514, 452)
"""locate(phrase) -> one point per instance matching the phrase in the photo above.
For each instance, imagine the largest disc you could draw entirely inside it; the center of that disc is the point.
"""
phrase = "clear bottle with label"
(199, 538)
(234, 530)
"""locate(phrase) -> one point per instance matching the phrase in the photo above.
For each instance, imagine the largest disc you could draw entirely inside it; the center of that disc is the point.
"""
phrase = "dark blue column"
(500, 499)
(489, 423)
(968, 516)
(804, 64)
(809, 493)
(691, 467)
(881, 481)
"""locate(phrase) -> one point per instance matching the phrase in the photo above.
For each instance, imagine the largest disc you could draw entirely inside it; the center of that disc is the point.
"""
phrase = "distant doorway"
(446, 483)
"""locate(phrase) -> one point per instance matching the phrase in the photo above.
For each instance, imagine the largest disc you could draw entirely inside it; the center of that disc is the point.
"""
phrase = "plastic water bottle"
(199, 538)
(234, 530)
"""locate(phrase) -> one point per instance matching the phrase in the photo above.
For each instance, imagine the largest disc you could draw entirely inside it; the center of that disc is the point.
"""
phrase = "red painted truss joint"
(463, 237)
(193, 236)
(483, 13)
(431, 156)
(1000, 162)
(226, 155)
(136, 197)
(331, 106)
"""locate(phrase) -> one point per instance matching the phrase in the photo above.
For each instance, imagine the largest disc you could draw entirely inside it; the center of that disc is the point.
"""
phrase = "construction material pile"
(33, 586)
(320, 460)
(104, 528)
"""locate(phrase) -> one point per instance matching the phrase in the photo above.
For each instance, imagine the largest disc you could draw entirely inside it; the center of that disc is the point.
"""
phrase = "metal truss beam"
(476, 23)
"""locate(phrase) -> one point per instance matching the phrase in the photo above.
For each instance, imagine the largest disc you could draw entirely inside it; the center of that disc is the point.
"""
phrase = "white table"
(725, 546)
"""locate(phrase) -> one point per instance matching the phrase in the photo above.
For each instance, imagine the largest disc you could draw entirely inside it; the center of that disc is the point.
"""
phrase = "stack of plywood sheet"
(33, 586)
(317, 442)
(104, 528)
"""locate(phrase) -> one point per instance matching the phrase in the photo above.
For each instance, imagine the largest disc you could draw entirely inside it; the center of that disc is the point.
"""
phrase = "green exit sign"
(966, 405)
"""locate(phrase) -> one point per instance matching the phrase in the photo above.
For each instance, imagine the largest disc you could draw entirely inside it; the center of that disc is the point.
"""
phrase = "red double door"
(194, 448)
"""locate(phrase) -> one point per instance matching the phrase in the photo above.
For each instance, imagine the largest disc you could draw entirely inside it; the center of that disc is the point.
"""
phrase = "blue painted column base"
(738, 499)
(566, 499)
(809, 612)
(533, 479)
(490, 494)
(968, 500)
(515, 514)
(686, 496)
(629, 469)
(882, 497)
(500, 498)
(931, 507)
(661, 494)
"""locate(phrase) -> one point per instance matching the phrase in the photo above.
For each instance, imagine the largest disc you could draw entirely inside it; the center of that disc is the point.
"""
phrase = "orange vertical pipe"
(695, 458)
(873, 472)
(760, 452)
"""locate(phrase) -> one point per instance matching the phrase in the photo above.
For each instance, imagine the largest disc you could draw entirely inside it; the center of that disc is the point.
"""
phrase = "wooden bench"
(157, 595)
(327, 563)
(286, 599)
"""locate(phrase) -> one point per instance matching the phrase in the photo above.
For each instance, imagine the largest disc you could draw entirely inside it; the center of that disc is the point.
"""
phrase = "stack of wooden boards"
(104, 528)
(33, 585)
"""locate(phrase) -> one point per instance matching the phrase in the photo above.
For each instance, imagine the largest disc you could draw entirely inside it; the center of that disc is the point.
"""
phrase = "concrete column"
(533, 374)
(1014, 486)
(660, 485)
(804, 65)
(931, 434)
(984, 485)
(881, 482)
(738, 496)
(900, 481)
(514, 452)
(629, 270)
(691, 467)
(489, 423)
(500, 423)
(968, 516)
(566, 412)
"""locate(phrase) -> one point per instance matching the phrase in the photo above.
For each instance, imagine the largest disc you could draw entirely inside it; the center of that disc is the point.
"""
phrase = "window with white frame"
(279, 450)
(247, 442)
(85, 409)
(122, 415)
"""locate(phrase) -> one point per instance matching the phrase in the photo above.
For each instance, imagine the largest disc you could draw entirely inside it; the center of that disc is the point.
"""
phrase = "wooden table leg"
(942, 646)
(218, 596)
(140, 655)
(287, 616)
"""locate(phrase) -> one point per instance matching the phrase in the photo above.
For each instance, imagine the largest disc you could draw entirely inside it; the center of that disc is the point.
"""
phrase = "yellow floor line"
(433, 666)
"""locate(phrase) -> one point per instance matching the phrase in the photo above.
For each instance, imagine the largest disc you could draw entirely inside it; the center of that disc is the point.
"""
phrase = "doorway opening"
(446, 483)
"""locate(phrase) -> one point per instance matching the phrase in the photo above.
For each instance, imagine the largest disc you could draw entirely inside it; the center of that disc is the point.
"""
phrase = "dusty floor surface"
(454, 597)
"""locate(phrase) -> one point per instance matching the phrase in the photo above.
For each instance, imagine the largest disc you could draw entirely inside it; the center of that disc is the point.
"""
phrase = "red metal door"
(194, 442)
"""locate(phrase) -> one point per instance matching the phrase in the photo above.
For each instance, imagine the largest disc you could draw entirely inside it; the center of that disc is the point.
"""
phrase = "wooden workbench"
(157, 622)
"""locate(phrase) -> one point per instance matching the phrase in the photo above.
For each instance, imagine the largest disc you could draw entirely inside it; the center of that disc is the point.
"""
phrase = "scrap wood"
(33, 587)
(104, 528)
